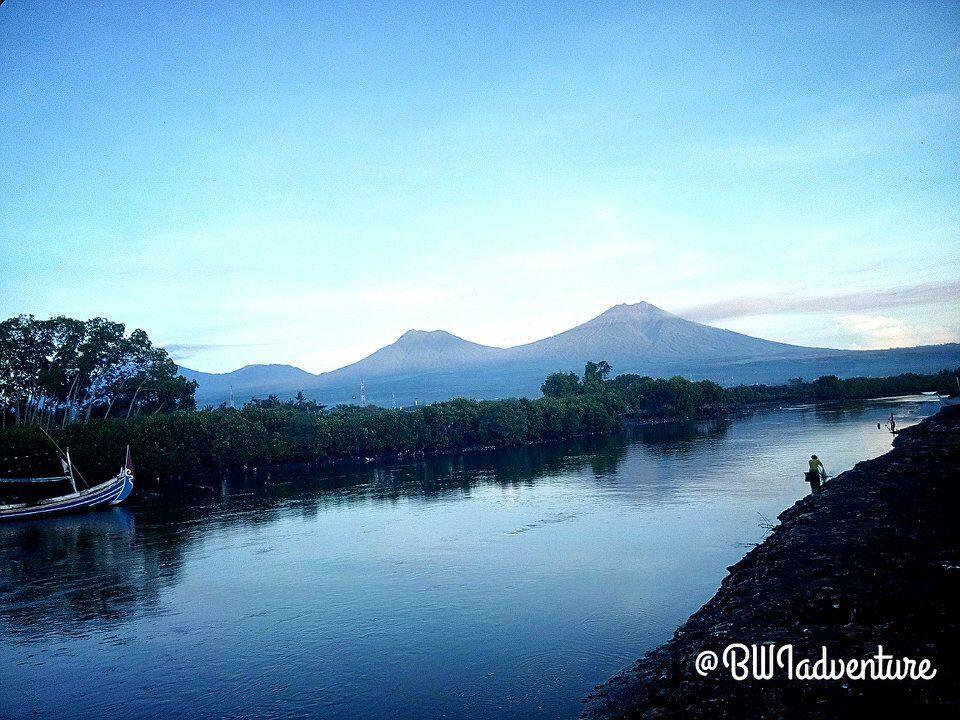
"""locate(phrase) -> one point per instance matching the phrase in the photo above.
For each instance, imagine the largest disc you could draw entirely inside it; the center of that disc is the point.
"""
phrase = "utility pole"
(363, 394)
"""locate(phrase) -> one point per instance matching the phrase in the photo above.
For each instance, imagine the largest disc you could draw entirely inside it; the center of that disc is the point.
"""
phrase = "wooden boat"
(111, 492)
(953, 399)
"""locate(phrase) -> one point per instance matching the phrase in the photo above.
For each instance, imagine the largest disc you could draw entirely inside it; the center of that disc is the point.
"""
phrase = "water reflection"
(75, 569)
(547, 567)
(59, 574)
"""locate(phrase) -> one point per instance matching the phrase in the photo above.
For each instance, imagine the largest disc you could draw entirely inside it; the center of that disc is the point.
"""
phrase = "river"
(495, 584)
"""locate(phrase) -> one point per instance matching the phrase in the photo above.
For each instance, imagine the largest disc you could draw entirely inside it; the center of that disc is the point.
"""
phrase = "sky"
(302, 182)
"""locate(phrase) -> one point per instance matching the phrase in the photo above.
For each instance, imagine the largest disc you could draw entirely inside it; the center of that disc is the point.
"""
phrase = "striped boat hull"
(112, 492)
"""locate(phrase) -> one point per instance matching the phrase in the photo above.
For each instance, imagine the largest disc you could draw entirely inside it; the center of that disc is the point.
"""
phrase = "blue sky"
(303, 181)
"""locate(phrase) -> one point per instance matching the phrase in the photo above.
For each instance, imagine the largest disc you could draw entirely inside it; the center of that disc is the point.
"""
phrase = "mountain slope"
(248, 381)
(418, 351)
(643, 332)
(639, 338)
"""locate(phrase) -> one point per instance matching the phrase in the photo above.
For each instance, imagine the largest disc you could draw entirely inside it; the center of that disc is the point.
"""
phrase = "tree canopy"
(62, 369)
(270, 430)
(645, 396)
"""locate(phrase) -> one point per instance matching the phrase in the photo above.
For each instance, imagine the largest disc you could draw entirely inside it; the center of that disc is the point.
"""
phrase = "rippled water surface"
(501, 584)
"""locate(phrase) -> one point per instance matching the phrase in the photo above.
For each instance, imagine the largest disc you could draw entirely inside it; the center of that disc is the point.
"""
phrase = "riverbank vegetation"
(264, 432)
(647, 397)
(57, 371)
(214, 440)
(88, 386)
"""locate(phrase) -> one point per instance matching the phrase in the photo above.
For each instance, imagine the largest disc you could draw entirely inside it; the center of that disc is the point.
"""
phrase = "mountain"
(627, 334)
(420, 365)
(415, 354)
(419, 351)
(639, 338)
(249, 381)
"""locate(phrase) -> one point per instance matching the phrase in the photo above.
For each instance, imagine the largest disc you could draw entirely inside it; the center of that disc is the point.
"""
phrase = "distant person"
(815, 473)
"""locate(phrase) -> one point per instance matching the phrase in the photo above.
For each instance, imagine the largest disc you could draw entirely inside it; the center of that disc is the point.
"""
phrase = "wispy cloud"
(874, 332)
(921, 294)
(179, 351)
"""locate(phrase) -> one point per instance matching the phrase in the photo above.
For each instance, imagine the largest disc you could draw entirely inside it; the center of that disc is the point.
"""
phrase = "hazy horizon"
(301, 183)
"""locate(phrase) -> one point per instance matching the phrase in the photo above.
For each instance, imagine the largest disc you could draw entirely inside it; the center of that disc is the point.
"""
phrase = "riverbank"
(874, 559)
(188, 444)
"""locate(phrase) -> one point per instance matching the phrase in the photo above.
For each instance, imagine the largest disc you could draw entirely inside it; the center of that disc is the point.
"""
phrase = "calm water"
(491, 585)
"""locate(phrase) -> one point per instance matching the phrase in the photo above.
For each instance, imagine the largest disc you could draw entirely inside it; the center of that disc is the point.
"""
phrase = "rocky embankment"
(874, 559)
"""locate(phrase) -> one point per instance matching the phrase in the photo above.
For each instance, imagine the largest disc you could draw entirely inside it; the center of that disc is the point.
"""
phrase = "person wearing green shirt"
(814, 473)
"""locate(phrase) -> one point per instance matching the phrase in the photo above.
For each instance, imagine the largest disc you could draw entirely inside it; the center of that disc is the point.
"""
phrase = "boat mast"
(70, 468)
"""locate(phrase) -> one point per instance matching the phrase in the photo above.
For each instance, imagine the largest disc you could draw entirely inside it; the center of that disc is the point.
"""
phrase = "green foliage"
(595, 374)
(828, 387)
(648, 397)
(561, 385)
(189, 443)
(54, 371)
(565, 384)
(265, 432)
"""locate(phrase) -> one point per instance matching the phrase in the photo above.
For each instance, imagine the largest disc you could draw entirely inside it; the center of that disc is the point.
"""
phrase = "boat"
(953, 399)
(108, 493)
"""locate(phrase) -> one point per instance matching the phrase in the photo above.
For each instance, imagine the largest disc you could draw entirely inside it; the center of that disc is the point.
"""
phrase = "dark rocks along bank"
(874, 559)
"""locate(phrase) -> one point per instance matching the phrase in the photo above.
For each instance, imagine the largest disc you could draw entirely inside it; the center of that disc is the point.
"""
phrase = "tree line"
(96, 390)
(190, 443)
(54, 372)
(648, 397)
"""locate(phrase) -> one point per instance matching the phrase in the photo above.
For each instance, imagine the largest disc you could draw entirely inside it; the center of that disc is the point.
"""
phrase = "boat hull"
(111, 492)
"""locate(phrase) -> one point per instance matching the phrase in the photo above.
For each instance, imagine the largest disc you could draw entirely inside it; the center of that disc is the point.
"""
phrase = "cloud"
(179, 351)
(874, 332)
(600, 237)
(748, 306)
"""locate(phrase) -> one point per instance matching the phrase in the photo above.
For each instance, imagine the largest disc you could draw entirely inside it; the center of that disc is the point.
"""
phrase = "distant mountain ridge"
(626, 331)
(422, 350)
(642, 338)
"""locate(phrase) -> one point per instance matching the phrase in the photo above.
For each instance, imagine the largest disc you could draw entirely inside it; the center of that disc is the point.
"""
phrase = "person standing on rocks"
(814, 473)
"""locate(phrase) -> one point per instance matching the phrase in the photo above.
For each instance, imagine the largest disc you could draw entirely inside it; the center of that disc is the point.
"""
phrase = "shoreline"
(262, 473)
(874, 559)
(627, 422)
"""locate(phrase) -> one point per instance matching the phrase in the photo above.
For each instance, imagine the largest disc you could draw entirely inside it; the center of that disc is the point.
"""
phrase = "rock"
(873, 559)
